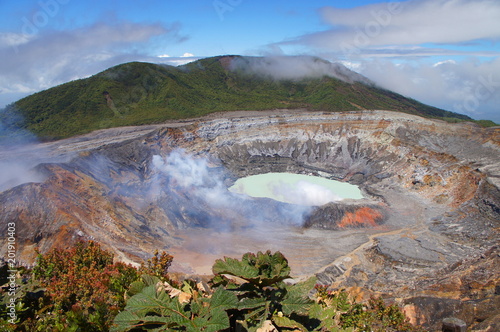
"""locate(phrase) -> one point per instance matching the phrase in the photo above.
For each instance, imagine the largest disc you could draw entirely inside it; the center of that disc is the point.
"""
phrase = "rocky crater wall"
(435, 184)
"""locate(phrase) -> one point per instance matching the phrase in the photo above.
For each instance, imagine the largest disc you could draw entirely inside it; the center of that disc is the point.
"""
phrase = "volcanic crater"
(431, 202)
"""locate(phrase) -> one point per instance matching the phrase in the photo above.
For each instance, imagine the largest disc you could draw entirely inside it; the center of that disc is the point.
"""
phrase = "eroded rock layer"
(431, 189)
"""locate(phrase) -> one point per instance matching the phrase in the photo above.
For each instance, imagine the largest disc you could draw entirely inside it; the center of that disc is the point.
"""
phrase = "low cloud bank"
(468, 87)
(295, 68)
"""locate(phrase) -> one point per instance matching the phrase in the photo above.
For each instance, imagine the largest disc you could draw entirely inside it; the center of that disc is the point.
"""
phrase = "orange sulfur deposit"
(363, 217)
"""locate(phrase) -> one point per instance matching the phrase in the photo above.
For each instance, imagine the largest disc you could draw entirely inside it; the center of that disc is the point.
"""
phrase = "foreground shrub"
(157, 265)
(251, 294)
(337, 311)
(81, 289)
(76, 289)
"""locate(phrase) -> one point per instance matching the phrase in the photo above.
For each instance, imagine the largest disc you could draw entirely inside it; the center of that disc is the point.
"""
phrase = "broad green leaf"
(136, 287)
(223, 299)
(271, 266)
(297, 298)
(148, 300)
(217, 320)
(149, 279)
(177, 312)
(283, 321)
(156, 320)
(257, 316)
(152, 306)
(304, 287)
(235, 267)
(125, 321)
(248, 303)
(298, 305)
(152, 303)
(326, 316)
(263, 269)
(213, 310)
(315, 311)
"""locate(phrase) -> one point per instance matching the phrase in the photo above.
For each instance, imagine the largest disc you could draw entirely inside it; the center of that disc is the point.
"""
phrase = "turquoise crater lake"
(296, 188)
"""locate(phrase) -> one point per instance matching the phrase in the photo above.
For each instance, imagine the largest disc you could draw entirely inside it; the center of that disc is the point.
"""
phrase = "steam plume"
(304, 193)
(19, 152)
(208, 194)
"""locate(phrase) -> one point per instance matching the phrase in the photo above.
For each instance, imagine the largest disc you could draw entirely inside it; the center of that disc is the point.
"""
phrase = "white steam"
(186, 171)
(208, 194)
(303, 193)
(195, 175)
(20, 152)
(14, 173)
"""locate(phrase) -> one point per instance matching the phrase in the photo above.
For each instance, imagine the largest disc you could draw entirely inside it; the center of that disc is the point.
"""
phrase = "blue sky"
(441, 52)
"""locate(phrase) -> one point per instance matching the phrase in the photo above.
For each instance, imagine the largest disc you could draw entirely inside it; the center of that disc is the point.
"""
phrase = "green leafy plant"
(328, 309)
(260, 296)
(337, 311)
(263, 295)
(158, 306)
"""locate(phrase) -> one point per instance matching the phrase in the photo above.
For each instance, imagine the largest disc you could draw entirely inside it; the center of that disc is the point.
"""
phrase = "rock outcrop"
(431, 189)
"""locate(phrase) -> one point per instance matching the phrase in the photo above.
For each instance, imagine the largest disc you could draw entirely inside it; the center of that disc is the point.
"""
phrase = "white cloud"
(178, 61)
(48, 58)
(10, 39)
(295, 68)
(453, 62)
(352, 65)
(468, 87)
(392, 43)
(355, 31)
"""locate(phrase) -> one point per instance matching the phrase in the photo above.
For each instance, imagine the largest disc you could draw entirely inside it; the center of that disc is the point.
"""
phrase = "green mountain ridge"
(144, 93)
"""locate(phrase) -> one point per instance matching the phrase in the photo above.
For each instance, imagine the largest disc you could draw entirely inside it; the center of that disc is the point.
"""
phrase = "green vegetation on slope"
(142, 93)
